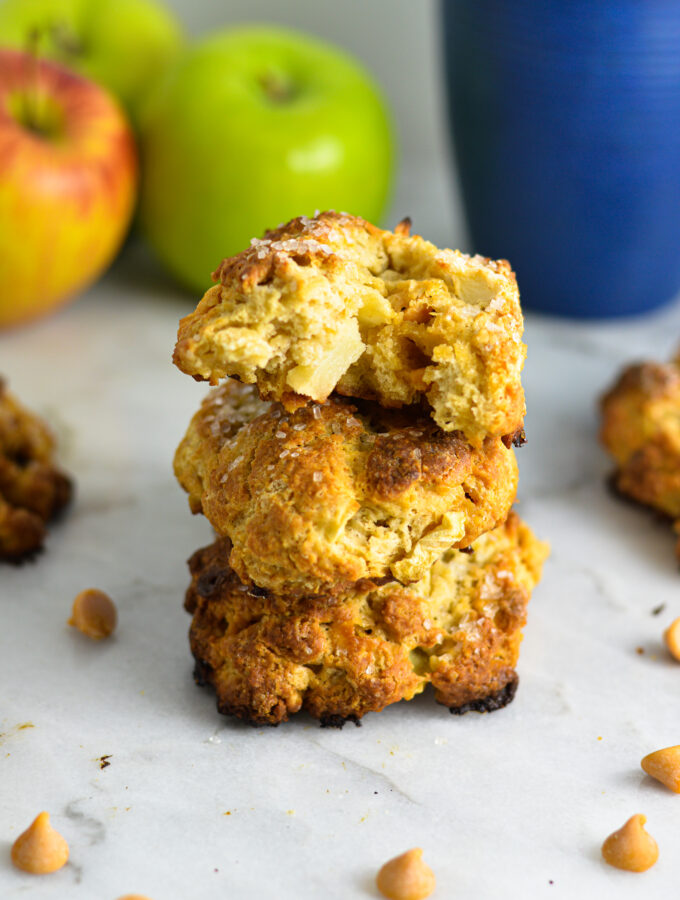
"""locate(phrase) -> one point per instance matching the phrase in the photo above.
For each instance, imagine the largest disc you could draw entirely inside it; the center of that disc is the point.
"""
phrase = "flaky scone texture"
(32, 488)
(641, 429)
(333, 303)
(316, 499)
(338, 657)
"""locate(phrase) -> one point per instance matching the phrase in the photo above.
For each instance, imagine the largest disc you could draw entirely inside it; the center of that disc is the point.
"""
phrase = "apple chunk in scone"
(332, 303)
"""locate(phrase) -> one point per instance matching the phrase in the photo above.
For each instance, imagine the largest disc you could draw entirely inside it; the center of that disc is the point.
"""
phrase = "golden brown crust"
(641, 430)
(321, 497)
(333, 303)
(340, 656)
(32, 488)
(643, 404)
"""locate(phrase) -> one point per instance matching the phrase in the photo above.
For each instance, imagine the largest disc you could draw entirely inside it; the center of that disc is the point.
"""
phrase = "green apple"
(252, 127)
(121, 44)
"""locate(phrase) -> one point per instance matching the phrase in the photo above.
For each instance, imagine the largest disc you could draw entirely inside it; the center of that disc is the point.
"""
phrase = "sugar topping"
(264, 246)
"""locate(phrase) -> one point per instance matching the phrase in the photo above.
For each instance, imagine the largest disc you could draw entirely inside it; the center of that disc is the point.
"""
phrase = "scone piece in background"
(341, 656)
(32, 488)
(316, 499)
(641, 430)
(333, 303)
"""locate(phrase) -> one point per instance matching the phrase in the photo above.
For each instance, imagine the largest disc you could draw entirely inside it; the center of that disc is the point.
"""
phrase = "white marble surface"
(513, 804)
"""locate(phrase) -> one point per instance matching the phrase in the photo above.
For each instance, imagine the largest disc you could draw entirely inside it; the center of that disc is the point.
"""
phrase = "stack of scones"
(357, 464)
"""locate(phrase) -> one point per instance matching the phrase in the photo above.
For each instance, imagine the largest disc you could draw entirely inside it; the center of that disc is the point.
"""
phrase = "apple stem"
(32, 95)
(277, 88)
(66, 41)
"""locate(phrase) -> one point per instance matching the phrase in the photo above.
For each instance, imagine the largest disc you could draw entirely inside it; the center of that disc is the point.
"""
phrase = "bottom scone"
(341, 656)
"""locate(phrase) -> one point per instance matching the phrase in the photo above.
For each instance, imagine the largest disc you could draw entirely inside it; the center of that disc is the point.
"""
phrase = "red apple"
(68, 179)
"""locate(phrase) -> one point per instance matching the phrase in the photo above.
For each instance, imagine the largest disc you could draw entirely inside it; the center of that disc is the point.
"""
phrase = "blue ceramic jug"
(566, 126)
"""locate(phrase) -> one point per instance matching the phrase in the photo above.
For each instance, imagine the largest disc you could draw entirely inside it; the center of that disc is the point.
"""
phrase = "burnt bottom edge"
(492, 702)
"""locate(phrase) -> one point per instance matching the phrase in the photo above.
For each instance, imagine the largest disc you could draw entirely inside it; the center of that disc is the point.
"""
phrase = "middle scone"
(319, 498)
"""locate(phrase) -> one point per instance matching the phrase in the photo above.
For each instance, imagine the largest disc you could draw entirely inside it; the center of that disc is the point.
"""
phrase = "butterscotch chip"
(334, 304)
(40, 849)
(406, 877)
(94, 613)
(32, 489)
(671, 637)
(339, 656)
(631, 847)
(664, 765)
(316, 499)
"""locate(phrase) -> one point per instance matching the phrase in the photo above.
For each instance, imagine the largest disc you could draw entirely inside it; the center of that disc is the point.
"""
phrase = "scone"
(333, 303)
(319, 498)
(641, 430)
(32, 488)
(339, 657)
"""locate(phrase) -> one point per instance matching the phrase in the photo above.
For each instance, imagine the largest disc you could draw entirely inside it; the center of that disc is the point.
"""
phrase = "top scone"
(333, 303)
